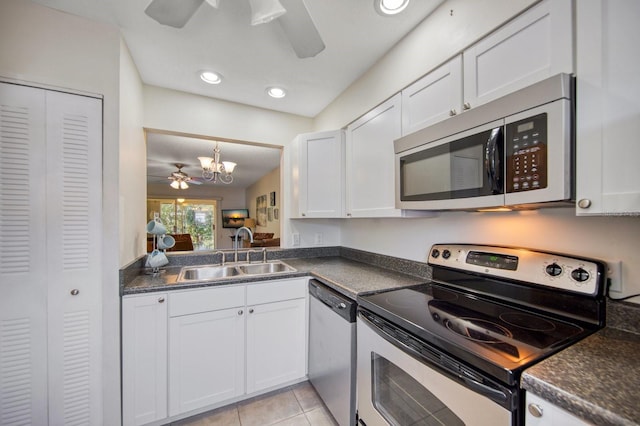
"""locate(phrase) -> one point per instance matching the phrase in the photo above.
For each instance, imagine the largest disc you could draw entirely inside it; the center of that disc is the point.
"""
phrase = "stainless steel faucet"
(221, 253)
(235, 241)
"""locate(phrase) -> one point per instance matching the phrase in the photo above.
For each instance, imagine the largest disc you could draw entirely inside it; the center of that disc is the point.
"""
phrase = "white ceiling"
(250, 58)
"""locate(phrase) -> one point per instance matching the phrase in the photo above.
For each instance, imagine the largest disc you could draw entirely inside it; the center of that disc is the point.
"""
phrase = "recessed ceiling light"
(276, 92)
(210, 77)
(389, 7)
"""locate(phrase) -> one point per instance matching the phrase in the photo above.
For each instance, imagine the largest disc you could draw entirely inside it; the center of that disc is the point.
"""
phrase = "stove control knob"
(580, 275)
(436, 317)
(435, 253)
(554, 269)
(446, 254)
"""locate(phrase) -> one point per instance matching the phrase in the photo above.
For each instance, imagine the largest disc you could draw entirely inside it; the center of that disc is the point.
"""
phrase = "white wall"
(604, 238)
(439, 37)
(50, 48)
(133, 155)
(170, 110)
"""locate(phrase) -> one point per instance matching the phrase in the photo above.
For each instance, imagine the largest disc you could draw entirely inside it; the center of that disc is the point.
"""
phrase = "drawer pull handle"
(240, 312)
(535, 410)
(251, 310)
(161, 300)
(75, 292)
(584, 203)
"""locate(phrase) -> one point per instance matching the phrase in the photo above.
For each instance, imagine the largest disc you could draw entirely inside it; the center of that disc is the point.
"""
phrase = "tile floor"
(295, 405)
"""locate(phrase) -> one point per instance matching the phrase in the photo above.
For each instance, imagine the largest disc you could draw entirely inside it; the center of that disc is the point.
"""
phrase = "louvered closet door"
(74, 205)
(23, 283)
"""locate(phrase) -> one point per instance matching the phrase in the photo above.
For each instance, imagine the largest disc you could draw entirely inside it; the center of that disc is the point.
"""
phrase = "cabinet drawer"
(277, 290)
(204, 300)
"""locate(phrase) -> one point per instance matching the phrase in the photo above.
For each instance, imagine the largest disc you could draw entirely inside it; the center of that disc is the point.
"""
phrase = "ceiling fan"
(179, 179)
(293, 16)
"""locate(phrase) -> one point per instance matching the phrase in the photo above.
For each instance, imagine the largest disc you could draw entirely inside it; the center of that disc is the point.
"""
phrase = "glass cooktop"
(507, 337)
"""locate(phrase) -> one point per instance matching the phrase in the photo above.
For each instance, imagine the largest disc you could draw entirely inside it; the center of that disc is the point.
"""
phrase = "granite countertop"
(597, 379)
(346, 276)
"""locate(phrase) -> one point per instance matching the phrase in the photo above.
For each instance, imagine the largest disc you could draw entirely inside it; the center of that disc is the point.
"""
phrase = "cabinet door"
(321, 174)
(536, 45)
(23, 268)
(144, 359)
(371, 161)
(540, 412)
(206, 359)
(276, 343)
(73, 241)
(608, 107)
(433, 98)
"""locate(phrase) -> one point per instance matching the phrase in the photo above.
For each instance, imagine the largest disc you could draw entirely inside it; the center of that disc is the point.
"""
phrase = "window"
(193, 217)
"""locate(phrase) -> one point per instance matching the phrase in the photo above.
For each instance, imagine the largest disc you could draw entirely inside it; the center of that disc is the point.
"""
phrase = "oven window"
(402, 400)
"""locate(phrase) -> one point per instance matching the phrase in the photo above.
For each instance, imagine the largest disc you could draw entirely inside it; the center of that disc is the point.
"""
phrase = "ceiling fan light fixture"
(276, 92)
(263, 11)
(210, 77)
(390, 7)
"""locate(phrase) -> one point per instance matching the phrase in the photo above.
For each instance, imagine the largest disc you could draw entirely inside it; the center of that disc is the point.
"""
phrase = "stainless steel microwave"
(516, 151)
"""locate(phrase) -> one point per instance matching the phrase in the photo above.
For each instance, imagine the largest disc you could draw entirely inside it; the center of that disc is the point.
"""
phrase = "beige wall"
(59, 50)
(265, 186)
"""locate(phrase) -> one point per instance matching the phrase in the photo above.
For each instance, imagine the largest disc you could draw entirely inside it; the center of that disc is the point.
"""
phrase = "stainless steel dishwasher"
(332, 350)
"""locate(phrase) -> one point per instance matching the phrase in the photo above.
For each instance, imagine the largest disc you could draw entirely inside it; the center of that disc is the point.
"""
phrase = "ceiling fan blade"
(300, 29)
(175, 13)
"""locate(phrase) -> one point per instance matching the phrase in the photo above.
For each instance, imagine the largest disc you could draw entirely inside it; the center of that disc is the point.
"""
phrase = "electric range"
(489, 313)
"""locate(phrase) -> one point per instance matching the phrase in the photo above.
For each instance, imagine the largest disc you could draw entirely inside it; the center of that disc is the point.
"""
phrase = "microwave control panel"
(526, 149)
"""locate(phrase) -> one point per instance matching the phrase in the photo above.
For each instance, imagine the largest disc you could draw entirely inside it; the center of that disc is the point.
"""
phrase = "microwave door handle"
(492, 160)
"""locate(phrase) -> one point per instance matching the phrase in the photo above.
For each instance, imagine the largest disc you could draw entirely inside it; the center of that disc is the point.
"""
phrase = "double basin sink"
(218, 272)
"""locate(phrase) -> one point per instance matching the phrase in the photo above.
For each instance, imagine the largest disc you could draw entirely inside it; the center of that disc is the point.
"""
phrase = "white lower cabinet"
(540, 412)
(144, 358)
(275, 334)
(205, 346)
(206, 359)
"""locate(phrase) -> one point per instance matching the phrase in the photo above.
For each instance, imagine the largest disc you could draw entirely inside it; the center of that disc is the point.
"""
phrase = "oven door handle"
(485, 390)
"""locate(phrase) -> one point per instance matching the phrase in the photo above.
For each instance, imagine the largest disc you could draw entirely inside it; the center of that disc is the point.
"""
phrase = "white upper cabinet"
(608, 107)
(321, 174)
(433, 98)
(371, 161)
(535, 45)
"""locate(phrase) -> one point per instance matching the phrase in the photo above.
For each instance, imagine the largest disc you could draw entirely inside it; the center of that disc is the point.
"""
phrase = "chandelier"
(215, 170)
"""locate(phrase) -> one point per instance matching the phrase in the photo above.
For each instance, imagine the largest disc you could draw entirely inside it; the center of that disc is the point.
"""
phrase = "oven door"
(396, 388)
